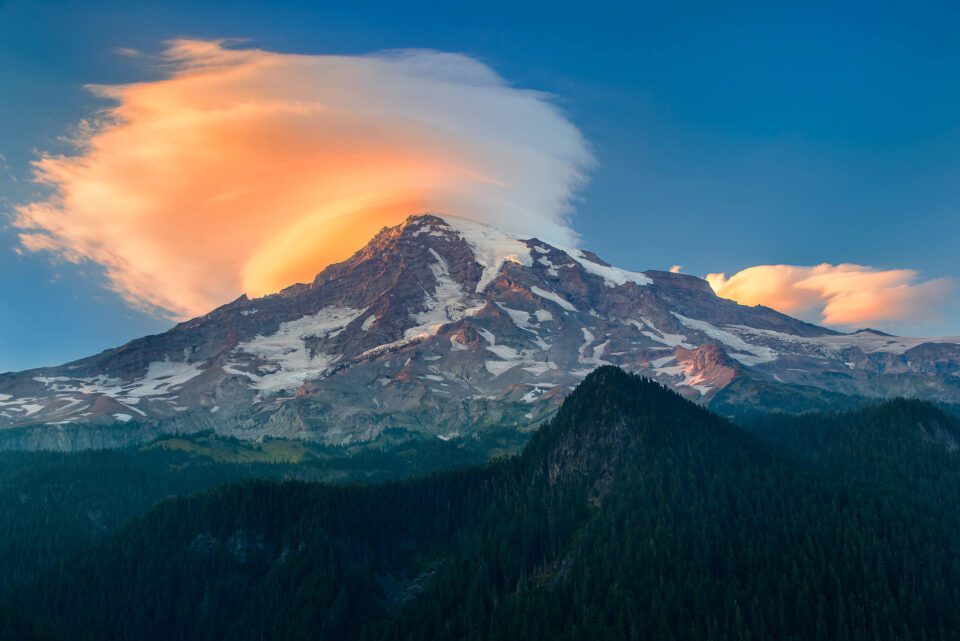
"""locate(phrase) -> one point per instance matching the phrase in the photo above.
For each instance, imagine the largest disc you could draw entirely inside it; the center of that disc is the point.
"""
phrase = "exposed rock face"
(447, 327)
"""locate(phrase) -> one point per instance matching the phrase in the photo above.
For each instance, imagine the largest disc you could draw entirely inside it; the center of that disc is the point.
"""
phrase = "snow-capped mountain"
(445, 326)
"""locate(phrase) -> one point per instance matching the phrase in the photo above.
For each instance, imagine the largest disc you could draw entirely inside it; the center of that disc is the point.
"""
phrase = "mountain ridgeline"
(632, 514)
(449, 328)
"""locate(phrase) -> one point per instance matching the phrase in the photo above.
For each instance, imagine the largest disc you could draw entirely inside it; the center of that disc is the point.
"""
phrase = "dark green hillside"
(632, 515)
(54, 506)
(13, 627)
(903, 445)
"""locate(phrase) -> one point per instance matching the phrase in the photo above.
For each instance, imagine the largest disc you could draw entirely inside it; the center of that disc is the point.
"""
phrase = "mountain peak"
(448, 326)
(612, 418)
(426, 218)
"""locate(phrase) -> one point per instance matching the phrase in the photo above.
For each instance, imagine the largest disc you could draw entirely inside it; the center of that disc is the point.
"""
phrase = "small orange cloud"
(246, 171)
(844, 295)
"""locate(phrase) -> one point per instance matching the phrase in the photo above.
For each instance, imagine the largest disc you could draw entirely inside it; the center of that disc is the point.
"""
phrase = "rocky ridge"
(448, 327)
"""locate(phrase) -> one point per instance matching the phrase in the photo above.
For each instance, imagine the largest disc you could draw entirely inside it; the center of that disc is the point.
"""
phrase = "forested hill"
(14, 627)
(902, 445)
(634, 514)
(54, 506)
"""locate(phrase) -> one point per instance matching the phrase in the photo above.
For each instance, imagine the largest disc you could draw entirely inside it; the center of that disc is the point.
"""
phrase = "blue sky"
(727, 136)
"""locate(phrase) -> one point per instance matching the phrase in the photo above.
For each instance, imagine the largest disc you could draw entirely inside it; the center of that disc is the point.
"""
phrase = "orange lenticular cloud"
(246, 171)
(842, 295)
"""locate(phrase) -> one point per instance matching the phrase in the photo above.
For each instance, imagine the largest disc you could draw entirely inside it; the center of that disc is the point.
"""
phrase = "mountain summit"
(446, 326)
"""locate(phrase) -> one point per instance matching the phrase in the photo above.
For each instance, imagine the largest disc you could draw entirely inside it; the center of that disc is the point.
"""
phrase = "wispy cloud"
(841, 295)
(245, 170)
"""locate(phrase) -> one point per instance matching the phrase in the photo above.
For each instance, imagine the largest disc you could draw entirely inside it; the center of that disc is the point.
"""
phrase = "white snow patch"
(447, 303)
(499, 367)
(830, 346)
(540, 367)
(519, 317)
(538, 389)
(695, 382)
(592, 356)
(553, 297)
(588, 338)
(659, 336)
(599, 351)
(612, 276)
(491, 248)
(368, 322)
(71, 405)
(393, 345)
(660, 362)
(546, 262)
(755, 354)
(543, 315)
(751, 359)
(123, 418)
(289, 362)
(868, 342)
(672, 370)
(504, 352)
(30, 409)
(162, 377)
(160, 381)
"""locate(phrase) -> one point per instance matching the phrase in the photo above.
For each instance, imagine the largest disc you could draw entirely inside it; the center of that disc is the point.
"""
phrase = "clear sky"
(726, 136)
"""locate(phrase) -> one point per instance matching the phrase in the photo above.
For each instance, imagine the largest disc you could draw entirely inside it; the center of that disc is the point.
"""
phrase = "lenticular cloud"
(841, 295)
(244, 170)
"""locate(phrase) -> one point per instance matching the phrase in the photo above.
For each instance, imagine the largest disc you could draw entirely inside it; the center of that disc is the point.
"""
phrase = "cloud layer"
(244, 170)
(841, 295)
